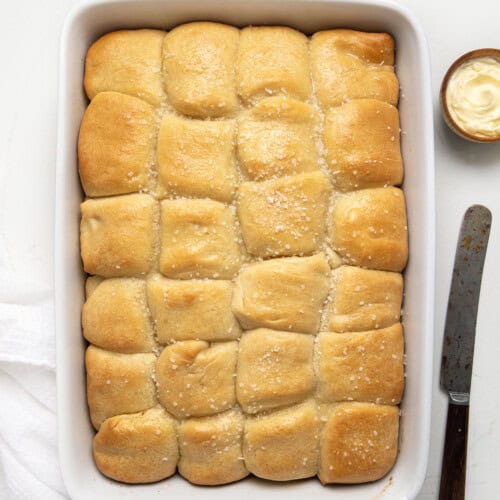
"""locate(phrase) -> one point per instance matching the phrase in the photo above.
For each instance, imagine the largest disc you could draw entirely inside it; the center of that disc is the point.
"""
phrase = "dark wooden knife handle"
(455, 454)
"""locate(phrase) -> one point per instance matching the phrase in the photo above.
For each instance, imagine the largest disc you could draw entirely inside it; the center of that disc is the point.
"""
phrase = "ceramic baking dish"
(82, 27)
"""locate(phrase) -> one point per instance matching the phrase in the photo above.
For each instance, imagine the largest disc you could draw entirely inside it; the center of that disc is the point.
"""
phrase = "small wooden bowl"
(475, 54)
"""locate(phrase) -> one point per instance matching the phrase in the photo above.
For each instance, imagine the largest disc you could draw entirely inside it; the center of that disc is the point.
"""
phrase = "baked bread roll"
(116, 145)
(361, 366)
(362, 145)
(211, 449)
(347, 64)
(117, 235)
(274, 369)
(196, 158)
(118, 383)
(192, 309)
(138, 447)
(198, 240)
(198, 69)
(369, 228)
(284, 294)
(278, 137)
(282, 445)
(197, 379)
(364, 299)
(116, 316)
(359, 442)
(272, 60)
(284, 216)
(127, 61)
(244, 238)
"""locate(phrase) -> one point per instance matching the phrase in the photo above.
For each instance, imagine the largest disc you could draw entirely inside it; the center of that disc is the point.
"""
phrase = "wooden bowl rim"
(473, 54)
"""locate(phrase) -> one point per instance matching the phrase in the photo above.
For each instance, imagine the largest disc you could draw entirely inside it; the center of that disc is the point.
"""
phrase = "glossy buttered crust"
(245, 236)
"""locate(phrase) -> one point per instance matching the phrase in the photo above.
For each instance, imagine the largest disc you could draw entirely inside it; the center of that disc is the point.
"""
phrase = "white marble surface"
(466, 173)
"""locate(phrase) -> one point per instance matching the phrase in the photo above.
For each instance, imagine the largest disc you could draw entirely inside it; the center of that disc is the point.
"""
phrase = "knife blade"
(458, 345)
(460, 325)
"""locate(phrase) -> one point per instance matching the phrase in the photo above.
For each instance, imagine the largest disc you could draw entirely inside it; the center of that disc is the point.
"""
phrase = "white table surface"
(466, 173)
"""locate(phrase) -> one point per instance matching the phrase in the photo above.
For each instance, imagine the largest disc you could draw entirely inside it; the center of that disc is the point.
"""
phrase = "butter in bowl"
(470, 96)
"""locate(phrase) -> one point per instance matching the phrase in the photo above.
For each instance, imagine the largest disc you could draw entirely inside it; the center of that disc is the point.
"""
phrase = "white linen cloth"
(29, 465)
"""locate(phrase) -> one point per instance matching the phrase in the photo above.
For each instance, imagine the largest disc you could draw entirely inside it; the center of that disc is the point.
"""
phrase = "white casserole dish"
(82, 27)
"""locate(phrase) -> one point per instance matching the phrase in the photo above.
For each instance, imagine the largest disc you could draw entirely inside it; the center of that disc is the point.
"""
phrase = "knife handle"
(455, 453)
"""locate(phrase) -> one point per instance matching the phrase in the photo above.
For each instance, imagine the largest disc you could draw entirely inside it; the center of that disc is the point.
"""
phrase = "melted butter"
(473, 96)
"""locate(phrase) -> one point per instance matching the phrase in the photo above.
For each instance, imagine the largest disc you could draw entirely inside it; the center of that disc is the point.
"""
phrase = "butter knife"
(458, 346)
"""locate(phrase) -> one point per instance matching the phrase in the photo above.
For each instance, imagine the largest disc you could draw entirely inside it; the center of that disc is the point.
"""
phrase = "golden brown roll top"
(116, 316)
(278, 137)
(211, 449)
(362, 145)
(284, 216)
(272, 60)
(347, 64)
(198, 240)
(198, 66)
(361, 366)
(274, 369)
(364, 299)
(359, 442)
(192, 309)
(116, 145)
(138, 447)
(283, 445)
(118, 383)
(127, 61)
(283, 294)
(117, 235)
(196, 378)
(369, 229)
(196, 158)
